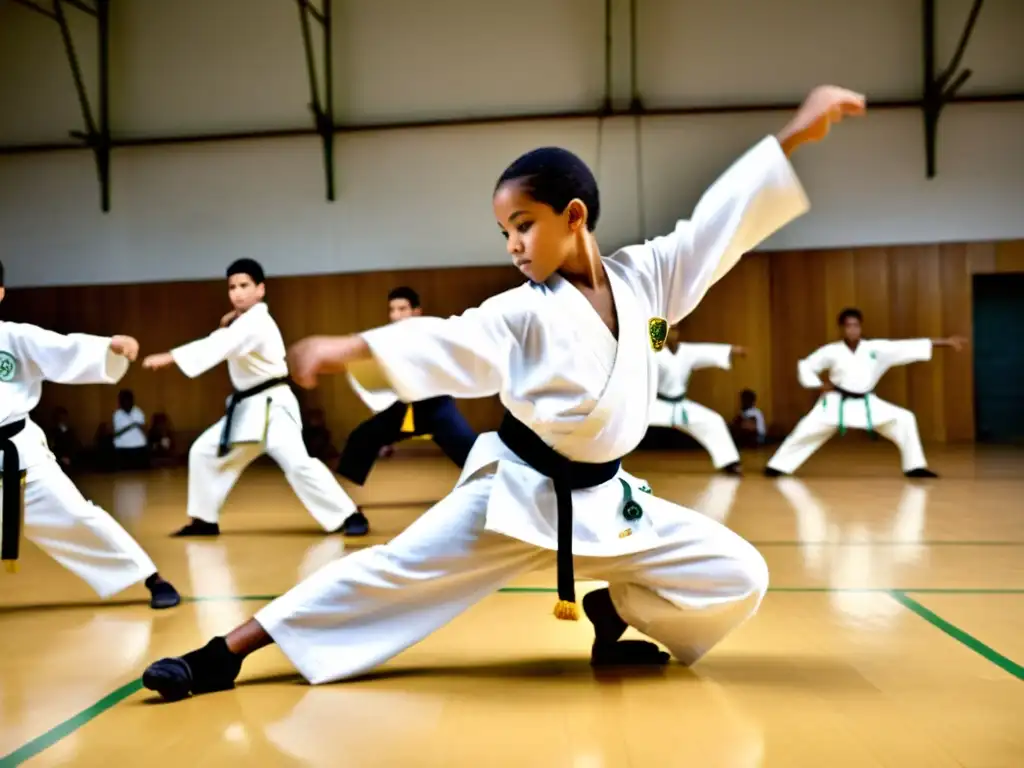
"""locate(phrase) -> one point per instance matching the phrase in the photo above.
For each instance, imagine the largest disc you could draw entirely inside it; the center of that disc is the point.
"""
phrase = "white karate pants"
(814, 430)
(211, 478)
(79, 535)
(357, 612)
(702, 424)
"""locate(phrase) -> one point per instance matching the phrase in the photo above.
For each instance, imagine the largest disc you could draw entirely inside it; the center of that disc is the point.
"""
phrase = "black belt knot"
(567, 475)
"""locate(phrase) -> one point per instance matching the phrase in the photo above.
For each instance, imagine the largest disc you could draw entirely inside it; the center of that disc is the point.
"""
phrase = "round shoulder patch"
(8, 366)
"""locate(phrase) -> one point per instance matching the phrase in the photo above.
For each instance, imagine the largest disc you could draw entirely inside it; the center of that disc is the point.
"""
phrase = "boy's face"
(2, 292)
(539, 240)
(851, 330)
(400, 309)
(243, 292)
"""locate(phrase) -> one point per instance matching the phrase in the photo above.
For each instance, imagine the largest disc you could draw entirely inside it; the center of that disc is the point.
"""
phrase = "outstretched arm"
(906, 351)
(464, 356)
(197, 357)
(956, 343)
(758, 195)
(77, 358)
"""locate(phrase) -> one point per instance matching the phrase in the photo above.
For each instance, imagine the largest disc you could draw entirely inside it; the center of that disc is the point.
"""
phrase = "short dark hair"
(1, 274)
(849, 312)
(407, 293)
(249, 267)
(555, 177)
(748, 396)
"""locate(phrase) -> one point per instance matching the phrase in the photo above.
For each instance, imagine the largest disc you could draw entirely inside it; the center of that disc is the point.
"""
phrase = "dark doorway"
(999, 357)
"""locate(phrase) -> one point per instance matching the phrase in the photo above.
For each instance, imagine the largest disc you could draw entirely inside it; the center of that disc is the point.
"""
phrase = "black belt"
(673, 399)
(236, 397)
(13, 499)
(847, 395)
(568, 475)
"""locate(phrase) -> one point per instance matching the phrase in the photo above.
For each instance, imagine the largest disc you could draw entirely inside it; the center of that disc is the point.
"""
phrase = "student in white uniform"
(673, 409)
(855, 366)
(572, 356)
(262, 415)
(35, 491)
(393, 421)
(131, 443)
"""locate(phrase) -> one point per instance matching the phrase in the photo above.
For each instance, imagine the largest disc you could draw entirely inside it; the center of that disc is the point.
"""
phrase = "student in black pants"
(395, 421)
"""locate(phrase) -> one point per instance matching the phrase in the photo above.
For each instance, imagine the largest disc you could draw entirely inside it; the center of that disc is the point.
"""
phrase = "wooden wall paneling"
(1009, 256)
(781, 306)
(735, 311)
(798, 326)
(956, 370)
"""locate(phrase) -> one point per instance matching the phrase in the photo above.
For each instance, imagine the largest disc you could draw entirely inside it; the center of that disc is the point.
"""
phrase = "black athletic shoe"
(163, 595)
(355, 524)
(198, 527)
(205, 670)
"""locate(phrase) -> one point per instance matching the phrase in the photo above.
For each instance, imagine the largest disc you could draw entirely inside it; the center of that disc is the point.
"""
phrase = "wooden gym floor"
(893, 635)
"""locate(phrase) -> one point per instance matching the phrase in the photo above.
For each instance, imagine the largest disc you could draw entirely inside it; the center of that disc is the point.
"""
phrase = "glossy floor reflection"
(893, 636)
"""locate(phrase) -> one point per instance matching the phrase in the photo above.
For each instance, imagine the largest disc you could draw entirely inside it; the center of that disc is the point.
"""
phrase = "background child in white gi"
(855, 366)
(672, 408)
(265, 416)
(73, 531)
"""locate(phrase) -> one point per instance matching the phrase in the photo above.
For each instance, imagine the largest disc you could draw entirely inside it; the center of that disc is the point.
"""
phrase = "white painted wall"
(421, 198)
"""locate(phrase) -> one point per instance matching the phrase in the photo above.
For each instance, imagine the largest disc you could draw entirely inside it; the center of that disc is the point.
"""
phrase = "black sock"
(608, 625)
(213, 667)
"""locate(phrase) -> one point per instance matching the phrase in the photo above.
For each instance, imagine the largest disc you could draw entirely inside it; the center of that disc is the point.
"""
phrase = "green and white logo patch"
(8, 366)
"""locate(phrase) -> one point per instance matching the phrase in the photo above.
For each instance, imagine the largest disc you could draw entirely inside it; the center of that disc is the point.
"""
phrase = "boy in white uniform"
(572, 356)
(73, 531)
(262, 415)
(854, 367)
(673, 409)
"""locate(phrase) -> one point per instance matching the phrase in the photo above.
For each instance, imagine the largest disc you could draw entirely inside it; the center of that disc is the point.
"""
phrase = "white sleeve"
(759, 419)
(75, 358)
(239, 338)
(758, 195)
(709, 355)
(809, 368)
(466, 355)
(904, 352)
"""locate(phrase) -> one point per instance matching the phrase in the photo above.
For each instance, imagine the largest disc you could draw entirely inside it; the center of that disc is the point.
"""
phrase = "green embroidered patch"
(8, 367)
(657, 330)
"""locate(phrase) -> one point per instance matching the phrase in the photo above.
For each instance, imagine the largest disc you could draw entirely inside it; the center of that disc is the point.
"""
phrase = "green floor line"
(45, 741)
(937, 543)
(1007, 665)
(69, 726)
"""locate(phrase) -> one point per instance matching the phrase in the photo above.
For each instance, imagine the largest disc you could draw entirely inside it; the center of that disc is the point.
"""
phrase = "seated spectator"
(748, 427)
(131, 444)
